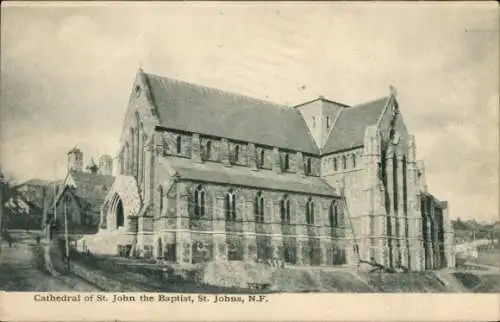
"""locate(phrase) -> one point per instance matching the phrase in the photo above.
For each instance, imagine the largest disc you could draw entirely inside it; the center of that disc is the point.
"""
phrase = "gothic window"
(237, 154)
(308, 166)
(354, 160)
(285, 209)
(199, 202)
(208, 152)
(179, 144)
(286, 162)
(289, 254)
(262, 158)
(259, 207)
(310, 212)
(333, 214)
(230, 205)
(160, 189)
(335, 168)
(328, 122)
(120, 218)
(344, 162)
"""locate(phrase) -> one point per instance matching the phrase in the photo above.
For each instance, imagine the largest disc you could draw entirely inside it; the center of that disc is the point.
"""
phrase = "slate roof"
(244, 176)
(34, 182)
(189, 107)
(349, 128)
(91, 188)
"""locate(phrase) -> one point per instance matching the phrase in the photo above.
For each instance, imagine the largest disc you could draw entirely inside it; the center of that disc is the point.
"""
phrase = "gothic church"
(207, 175)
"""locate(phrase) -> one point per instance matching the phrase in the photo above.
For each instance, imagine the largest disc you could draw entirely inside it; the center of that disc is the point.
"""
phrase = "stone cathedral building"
(207, 175)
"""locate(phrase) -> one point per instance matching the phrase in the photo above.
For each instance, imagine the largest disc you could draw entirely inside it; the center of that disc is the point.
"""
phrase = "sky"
(67, 72)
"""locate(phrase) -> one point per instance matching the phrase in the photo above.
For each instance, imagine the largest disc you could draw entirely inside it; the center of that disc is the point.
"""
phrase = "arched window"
(259, 207)
(286, 162)
(310, 212)
(333, 214)
(335, 166)
(313, 122)
(230, 205)
(354, 160)
(199, 202)
(208, 152)
(285, 209)
(160, 189)
(344, 162)
(120, 218)
(308, 166)
(159, 248)
(262, 158)
(328, 122)
(179, 144)
(237, 154)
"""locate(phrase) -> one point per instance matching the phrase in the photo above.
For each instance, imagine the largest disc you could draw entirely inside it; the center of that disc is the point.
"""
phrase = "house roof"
(349, 128)
(194, 108)
(90, 187)
(244, 176)
(34, 182)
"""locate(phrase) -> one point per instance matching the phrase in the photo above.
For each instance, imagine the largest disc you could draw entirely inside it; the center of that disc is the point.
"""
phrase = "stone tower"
(75, 160)
(105, 164)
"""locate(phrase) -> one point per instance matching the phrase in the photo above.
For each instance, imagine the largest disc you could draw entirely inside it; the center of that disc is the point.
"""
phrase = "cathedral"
(207, 175)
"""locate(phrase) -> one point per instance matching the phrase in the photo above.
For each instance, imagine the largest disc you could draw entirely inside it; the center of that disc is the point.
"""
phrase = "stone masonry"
(352, 191)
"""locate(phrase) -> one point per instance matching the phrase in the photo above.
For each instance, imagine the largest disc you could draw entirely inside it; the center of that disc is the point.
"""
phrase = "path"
(18, 272)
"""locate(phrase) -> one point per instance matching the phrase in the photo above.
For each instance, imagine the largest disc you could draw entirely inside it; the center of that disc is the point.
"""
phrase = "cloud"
(67, 71)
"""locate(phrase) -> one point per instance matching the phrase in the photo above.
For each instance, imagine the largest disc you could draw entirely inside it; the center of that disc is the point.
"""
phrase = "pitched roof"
(349, 128)
(91, 187)
(34, 182)
(244, 176)
(189, 107)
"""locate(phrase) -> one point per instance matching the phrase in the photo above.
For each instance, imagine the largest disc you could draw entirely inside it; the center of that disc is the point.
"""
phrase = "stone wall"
(214, 237)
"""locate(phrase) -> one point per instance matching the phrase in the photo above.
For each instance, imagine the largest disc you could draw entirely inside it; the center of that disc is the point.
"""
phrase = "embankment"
(118, 274)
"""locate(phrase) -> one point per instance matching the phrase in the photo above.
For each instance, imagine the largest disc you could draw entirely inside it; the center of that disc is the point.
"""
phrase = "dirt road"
(18, 272)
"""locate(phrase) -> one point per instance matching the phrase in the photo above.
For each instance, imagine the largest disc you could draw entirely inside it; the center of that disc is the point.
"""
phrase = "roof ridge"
(369, 102)
(210, 88)
(322, 98)
(357, 118)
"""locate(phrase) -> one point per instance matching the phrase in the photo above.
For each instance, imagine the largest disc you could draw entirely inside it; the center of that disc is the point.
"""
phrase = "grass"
(491, 258)
(236, 277)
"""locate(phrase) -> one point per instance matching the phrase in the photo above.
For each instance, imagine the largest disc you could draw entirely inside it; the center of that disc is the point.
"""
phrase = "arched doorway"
(120, 218)
(159, 248)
